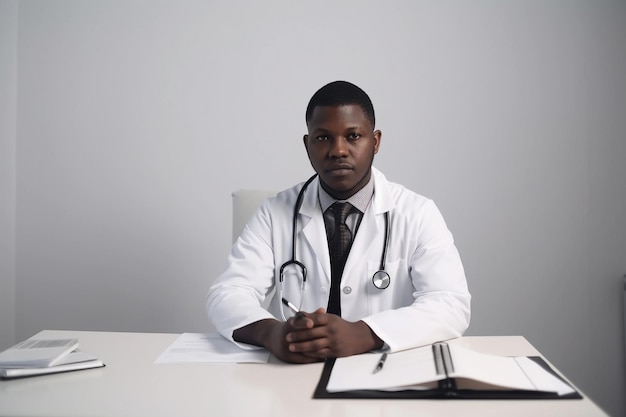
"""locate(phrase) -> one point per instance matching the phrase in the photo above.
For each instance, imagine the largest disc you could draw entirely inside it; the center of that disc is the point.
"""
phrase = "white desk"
(132, 385)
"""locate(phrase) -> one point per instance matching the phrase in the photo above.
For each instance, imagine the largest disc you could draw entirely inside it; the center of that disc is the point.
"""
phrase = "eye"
(354, 136)
(321, 138)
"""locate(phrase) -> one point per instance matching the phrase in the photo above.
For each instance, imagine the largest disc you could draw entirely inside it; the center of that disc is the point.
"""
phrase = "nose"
(339, 148)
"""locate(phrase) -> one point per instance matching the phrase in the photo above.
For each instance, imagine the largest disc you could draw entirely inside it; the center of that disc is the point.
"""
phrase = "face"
(341, 145)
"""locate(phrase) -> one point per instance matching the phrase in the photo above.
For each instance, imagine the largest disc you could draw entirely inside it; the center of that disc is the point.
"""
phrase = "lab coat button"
(347, 290)
(324, 290)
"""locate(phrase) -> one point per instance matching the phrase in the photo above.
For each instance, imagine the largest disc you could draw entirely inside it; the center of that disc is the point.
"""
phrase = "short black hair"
(341, 93)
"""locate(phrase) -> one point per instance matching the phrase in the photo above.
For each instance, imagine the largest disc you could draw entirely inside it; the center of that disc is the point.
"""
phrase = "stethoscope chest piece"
(381, 280)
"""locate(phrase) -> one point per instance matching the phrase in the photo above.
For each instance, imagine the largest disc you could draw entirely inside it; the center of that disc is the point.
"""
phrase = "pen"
(293, 308)
(381, 363)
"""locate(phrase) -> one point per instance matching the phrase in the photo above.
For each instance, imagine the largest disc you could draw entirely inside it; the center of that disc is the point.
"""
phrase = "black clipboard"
(446, 390)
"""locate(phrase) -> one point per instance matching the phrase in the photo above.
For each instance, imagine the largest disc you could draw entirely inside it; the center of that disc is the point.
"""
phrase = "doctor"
(346, 308)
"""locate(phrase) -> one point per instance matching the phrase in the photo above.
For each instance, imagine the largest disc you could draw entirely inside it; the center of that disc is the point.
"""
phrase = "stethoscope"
(380, 279)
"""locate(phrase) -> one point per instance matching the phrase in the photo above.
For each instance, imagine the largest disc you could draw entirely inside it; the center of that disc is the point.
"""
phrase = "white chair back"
(245, 204)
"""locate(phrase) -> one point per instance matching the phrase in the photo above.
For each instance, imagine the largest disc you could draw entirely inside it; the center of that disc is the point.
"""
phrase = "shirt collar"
(360, 200)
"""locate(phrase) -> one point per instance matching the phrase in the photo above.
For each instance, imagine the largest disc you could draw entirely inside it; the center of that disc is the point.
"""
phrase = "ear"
(377, 137)
(305, 140)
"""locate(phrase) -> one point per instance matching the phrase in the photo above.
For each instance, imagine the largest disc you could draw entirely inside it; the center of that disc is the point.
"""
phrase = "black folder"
(446, 390)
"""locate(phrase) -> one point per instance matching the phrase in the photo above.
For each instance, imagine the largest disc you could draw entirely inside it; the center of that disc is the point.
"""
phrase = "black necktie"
(339, 245)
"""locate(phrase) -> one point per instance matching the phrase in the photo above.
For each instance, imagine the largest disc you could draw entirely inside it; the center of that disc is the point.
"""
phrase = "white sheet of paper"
(402, 370)
(543, 380)
(209, 348)
(507, 372)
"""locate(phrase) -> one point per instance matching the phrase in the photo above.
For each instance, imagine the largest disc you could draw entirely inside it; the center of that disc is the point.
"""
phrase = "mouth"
(339, 170)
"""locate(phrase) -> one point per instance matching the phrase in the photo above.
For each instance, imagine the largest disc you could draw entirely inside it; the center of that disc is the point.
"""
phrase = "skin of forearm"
(257, 333)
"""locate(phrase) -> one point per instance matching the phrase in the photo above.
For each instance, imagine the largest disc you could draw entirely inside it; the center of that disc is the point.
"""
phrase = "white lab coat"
(426, 301)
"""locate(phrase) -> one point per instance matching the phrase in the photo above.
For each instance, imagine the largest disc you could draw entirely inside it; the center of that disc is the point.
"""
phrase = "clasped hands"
(313, 337)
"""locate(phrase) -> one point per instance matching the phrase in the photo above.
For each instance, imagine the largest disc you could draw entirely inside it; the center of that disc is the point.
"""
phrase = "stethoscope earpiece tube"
(293, 260)
(294, 229)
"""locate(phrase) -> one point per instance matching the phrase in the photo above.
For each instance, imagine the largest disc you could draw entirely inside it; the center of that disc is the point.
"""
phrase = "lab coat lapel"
(314, 230)
(364, 239)
(372, 228)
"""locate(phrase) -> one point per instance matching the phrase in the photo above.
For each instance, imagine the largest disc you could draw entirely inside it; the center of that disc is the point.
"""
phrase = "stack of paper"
(43, 356)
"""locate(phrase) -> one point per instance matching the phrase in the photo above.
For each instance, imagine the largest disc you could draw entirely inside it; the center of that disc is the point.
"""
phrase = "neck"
(346, 194)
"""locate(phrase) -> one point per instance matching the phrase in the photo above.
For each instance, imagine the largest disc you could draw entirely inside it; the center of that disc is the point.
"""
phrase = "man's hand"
(310, 337)
(330, 336)
(272, 334)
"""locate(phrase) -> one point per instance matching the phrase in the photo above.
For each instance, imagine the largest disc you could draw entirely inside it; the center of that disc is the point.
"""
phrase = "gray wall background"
(125, 126)
(8, 122)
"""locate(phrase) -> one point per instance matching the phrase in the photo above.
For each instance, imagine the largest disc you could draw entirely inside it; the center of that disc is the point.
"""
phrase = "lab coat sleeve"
(234, 300)
(441, 306)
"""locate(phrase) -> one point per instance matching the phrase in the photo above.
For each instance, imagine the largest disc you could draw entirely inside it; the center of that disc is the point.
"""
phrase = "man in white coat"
(346, 307)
